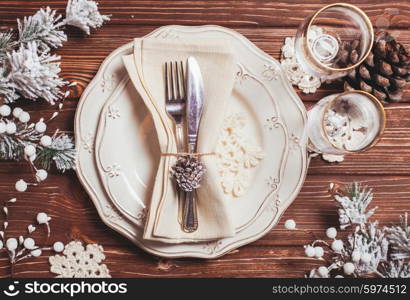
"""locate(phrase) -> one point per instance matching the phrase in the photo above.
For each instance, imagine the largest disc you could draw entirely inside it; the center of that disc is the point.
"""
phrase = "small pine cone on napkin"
(188, 172)
(384, 73)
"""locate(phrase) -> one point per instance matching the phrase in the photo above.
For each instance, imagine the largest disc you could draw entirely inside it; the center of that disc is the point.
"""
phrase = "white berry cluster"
(25, 246)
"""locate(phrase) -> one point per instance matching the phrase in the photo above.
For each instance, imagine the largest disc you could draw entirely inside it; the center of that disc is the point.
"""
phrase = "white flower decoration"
(80, 262)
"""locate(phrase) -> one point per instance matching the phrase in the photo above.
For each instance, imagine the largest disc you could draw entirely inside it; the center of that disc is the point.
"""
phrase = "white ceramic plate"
(255, 65)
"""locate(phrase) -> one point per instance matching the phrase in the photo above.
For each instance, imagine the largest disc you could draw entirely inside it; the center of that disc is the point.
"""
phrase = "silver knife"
(195, 102)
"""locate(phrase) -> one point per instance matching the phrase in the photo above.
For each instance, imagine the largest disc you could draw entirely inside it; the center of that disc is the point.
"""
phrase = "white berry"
(5, 110)
(323, 271)
(337, 245)
(2, 127)
(29, 150)
(339, 276)
(1, 245)
(290, 224)
(17, 112)
(42, 218)
(45, 141)
(41, 127)
(11, 244)
(11, 128)
(319, 252)
(29, 243)
(331, 232)
(356, 256)
(58, 246)
(36, 252)
(348, 268)
(21, 186)
(366, 258)
(24, 117)
(310, 251)
(41, 175)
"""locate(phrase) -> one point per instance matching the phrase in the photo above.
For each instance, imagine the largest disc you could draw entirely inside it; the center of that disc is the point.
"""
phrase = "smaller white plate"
(127, 151)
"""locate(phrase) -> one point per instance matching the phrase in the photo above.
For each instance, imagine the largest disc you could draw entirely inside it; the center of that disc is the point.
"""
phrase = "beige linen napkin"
(146, 70)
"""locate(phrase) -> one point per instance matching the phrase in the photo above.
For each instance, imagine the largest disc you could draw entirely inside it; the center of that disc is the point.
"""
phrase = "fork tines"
(174, 81)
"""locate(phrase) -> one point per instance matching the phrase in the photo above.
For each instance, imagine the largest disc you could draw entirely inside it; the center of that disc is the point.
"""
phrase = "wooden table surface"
(386, 167)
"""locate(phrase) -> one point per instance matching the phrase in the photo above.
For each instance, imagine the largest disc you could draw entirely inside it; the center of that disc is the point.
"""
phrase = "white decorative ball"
(17, 112)
(21, 186)
(29, 150)
(11, 128)
(11, 244)
(58, 247)
(356, 255)
(45, 141)
(290, 224)
(24, 117)
(2, 127)
(366, 258)
(1, 245)
(323, 271)
(310, 251)
(331, 232)
(41, 175)
(348, 268)
(42, 218)
(339, 276)
(36, 252)
(319, 252)
(5, 110)
(337, 245)
(41, 127)
(29, 243)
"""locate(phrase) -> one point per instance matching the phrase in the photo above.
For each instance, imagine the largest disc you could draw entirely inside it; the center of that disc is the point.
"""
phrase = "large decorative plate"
(287, 121)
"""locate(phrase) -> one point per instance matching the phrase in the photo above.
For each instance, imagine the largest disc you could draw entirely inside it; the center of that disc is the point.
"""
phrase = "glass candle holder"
(343, 123)
(333, 41)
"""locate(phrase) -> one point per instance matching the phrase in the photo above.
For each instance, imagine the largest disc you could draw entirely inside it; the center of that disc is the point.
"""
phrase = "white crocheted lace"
(80, 262)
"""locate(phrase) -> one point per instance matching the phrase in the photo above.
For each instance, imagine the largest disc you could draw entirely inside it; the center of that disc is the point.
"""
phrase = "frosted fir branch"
(43, 28)
(61, 152)
(6, 43)
(84, 14)
(7, 87)
(12, 144)
(399, 238)
(370, 242)
(35, 75)
(353, 205)
(395, 269)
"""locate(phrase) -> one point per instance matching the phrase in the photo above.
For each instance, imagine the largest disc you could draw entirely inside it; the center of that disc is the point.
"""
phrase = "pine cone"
(188, 172)
(385, 71)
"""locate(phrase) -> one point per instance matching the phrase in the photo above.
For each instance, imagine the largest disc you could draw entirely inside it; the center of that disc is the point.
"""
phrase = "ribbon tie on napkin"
(146, 70)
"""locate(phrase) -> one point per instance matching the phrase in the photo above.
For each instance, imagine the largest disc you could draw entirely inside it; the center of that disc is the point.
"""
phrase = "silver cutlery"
(195, 101)
(175, 99)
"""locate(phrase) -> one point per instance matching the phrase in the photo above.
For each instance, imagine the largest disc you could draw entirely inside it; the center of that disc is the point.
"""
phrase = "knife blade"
(195, 102)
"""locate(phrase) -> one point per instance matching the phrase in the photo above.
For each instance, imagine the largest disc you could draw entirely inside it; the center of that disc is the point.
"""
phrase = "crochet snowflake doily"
(80, 262)
(237, 155)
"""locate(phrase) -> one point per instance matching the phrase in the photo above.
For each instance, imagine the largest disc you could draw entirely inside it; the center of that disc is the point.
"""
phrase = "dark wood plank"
(279, 253)
(227, 13)
(81, 56)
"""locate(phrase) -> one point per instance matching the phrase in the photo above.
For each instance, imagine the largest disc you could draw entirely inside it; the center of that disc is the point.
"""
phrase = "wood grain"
(230, 13)
(386, 167)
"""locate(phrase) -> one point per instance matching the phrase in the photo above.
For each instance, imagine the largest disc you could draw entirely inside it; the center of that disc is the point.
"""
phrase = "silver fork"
(175, 99)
